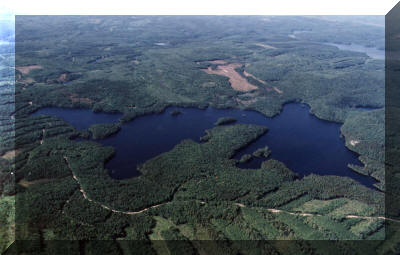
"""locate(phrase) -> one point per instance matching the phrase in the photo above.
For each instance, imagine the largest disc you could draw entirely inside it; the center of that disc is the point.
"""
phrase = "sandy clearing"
(30, 102)
(252, 76)
(238, 82)
(26, 183)
(274, 210)
(27, 69)
(11, 154)
(266, 46)
(354, 142)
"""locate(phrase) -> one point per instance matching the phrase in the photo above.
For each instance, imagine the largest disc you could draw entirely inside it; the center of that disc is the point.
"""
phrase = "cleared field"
(7, 221)
(27, 69)
(236, 80)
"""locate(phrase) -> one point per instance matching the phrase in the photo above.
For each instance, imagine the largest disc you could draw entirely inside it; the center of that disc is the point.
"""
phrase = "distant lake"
(303, 142)
(370, 51)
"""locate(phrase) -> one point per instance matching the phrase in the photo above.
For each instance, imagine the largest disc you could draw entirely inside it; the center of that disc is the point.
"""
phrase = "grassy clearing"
(353, 207)
(161, 225)
(7, 221)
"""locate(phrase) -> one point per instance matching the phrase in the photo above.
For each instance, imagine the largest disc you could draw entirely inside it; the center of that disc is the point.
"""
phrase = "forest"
(101, 131)
(53, 176)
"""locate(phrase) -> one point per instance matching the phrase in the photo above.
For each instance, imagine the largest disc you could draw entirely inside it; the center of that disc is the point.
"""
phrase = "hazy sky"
(285, 7)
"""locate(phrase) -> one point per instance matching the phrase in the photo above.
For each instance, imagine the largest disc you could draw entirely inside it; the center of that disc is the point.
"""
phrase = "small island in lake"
(262, 152)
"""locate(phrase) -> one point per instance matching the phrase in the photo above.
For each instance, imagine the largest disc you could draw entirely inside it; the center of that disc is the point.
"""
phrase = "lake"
(370, 51)
(303, 142)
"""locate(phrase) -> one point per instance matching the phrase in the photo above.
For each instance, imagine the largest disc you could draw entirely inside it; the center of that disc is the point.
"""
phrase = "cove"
(303, 142)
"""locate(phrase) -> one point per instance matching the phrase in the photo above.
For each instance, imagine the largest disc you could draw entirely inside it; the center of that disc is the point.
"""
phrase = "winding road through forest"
(272, 210)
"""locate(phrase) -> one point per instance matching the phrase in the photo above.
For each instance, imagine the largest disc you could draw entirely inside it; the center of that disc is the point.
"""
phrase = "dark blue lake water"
(303, 142)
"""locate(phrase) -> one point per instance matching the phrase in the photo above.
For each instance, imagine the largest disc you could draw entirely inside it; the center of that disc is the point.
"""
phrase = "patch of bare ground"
(41, 140)
(25, 81)
(238, 82)
(26, 183)
(10, 154)
(27, 69)
(354, 142)
(208, 84)
(75, 98)
(266, 46)
(62, 77)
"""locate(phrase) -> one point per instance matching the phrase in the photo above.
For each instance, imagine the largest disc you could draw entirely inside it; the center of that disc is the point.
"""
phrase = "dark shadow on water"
(303, 142)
